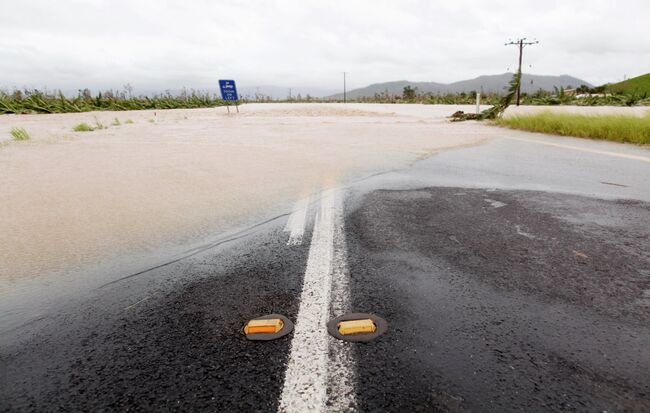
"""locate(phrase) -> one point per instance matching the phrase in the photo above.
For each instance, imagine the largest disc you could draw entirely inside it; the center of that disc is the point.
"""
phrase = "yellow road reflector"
(269, 326)
(366, 326)
(357, 327)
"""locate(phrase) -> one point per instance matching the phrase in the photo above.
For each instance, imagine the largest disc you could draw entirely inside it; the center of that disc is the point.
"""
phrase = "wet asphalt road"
(508, 286)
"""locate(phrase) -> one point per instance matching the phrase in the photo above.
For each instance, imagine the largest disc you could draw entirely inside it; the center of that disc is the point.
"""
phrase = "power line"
(521, 43)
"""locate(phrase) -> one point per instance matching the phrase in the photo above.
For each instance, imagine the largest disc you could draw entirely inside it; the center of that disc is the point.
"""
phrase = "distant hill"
(489, 84)
(639, 84)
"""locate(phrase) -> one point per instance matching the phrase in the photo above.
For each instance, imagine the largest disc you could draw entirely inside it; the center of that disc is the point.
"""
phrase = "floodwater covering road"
(514, 275)
(82, 208)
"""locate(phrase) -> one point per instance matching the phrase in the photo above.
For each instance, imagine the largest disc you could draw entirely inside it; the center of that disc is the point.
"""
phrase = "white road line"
(296, 222)
(578, 148)
(342, 373)
(307, 376)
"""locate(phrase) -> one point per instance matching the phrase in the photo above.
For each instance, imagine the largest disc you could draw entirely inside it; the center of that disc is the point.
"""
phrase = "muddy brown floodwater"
(73, 199)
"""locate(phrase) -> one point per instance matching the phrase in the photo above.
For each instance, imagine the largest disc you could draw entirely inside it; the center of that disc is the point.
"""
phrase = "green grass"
(19, 134)
(83, 127)
(639, 84)
(612, 128)
(129, 121)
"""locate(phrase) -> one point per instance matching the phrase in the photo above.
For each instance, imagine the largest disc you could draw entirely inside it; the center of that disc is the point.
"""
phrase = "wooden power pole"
(521, 43)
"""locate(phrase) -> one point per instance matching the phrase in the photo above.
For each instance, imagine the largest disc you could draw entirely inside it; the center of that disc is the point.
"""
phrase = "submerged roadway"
(514, 276)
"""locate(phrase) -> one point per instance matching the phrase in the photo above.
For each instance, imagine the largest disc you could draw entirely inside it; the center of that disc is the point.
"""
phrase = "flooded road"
(82, 208)
(513, 276)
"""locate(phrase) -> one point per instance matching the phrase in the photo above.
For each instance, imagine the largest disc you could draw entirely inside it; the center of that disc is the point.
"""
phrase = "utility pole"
(344, 89)
(521, 43)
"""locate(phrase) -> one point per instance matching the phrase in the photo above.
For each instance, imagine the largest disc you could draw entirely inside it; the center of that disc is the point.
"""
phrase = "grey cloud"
(157, 45)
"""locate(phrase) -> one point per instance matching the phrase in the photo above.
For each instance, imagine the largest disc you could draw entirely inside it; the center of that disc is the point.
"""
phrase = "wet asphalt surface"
(496, 299)
(500, 308)
(181, 349)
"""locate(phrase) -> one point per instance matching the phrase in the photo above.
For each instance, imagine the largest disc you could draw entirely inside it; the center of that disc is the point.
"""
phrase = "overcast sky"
(158, 44)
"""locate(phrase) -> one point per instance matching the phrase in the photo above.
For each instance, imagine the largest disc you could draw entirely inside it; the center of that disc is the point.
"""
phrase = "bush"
(19, 134)
(83, 127)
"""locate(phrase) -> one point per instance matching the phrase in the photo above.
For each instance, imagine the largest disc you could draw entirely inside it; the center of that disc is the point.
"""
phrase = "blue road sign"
(228, 90)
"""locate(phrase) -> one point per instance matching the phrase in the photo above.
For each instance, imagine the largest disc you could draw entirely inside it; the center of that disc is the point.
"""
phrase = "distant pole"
(521, 43)
(344, 88)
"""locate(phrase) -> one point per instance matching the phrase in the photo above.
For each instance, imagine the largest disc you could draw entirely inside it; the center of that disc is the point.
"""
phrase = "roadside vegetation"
(559, 97)
(83, 127)
(612, 128)
(637, 85)
(19, 134)
(632, 92)
(36, 101)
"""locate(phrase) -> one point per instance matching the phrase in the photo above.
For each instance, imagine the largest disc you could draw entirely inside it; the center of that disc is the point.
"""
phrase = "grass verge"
(627, 129)
(19, 134)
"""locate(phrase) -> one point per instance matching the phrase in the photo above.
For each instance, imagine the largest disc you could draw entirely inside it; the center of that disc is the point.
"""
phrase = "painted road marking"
(307, 376)
(342, 377)
(296, 222)
(578, 148)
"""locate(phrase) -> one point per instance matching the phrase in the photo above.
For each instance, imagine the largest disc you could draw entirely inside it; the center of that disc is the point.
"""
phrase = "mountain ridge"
(489, 84)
